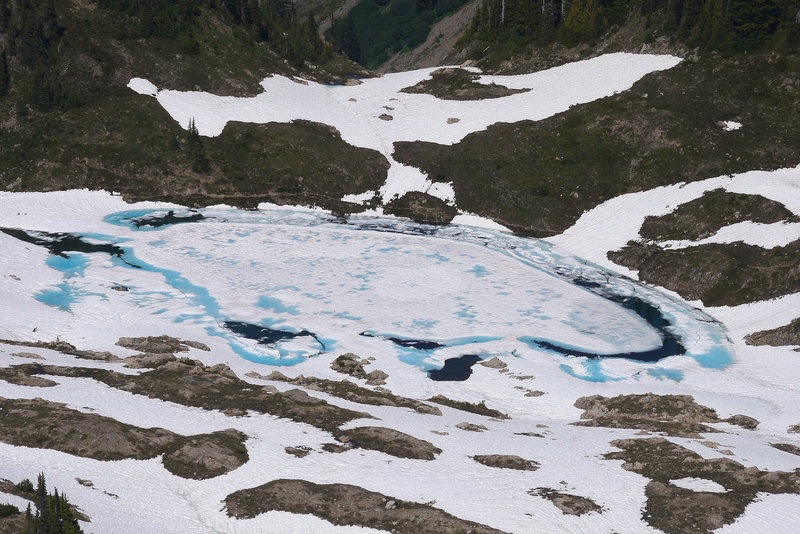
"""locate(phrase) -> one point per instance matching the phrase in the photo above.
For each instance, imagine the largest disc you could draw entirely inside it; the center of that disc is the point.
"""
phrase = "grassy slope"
(126, 142)
(538, 177)
(704, 216)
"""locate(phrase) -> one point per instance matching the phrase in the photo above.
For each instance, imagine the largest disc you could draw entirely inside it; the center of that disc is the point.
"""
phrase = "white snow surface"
(143, 87)
(698, 484)
(473, 287)
(355, 110)
(461, 282)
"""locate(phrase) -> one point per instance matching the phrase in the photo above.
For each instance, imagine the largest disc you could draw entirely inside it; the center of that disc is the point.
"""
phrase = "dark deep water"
(264, 335)
(455, 369)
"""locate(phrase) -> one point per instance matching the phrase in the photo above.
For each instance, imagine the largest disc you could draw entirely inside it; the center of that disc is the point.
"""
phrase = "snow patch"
(771, 235)
(359, 198)
(470, 219)
(143, 87)
(699, 484)
(730, 126)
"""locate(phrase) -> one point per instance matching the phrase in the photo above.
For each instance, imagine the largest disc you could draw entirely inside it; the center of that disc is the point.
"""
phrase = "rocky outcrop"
(345, 504)
(160, 344)
(389, 441)
(207, 455)
(704, 216)
(49, 425)
(506, 461)
(677, 510)
(567, 503)
(777, 337)
(675, 415)
(719, 274)
(349, 391)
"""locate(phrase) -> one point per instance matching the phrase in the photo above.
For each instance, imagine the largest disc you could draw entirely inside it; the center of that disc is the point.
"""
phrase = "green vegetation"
(54, 515)
(7, 510)
(85, 128)
(375, 30)
(718, 274)
(704, 216)
(459, 84)
(715, 24)
(537, 178)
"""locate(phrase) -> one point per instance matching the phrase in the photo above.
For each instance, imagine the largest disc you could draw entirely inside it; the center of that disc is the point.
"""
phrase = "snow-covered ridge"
(356, 110)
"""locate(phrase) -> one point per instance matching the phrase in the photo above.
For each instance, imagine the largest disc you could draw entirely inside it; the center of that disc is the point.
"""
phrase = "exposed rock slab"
(344, 504)
(777, 337)
(389, 441)
(567, 503)
(349, 391)
(160, 344)
(676, 510)
(207, 455)
(49, 425)
(479, 408)
(787, 447)
(507, 461)
(675, 415)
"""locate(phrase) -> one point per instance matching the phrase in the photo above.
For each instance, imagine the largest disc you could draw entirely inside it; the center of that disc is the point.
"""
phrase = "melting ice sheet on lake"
(282, 285)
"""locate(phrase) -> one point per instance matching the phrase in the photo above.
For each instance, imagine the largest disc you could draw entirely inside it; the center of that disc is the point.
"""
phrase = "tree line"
(53, 514)
(719, 24)
(31, 32)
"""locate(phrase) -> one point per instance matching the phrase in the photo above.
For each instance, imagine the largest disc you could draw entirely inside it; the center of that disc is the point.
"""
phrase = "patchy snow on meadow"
(356, 110)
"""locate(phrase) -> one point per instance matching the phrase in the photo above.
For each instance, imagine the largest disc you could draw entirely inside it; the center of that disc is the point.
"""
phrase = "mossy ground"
(539, 177)
(111, 138)
(717, 274)
(704, 216)
(459, 84)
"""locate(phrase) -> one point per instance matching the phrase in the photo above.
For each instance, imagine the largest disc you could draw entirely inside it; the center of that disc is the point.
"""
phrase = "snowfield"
(408, 297)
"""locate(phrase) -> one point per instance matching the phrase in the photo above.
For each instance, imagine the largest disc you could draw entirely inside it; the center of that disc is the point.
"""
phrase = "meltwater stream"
(440, 298)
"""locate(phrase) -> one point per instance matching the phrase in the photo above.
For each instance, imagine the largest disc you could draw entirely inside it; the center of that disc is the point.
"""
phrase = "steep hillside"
(70, 121)
(537, 34)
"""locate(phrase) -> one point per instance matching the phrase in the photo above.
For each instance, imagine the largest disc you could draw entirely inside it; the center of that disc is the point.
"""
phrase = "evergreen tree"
(42, 517)
(30, 526)
(349, 40)
(313, 35)
(194, 143)
(54, 513)
(752, 22)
